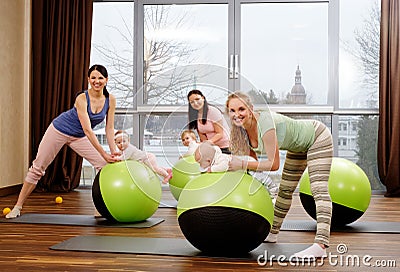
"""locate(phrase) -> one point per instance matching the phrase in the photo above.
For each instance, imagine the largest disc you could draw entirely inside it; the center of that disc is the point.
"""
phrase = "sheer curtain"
(61, 38)
(389, 98)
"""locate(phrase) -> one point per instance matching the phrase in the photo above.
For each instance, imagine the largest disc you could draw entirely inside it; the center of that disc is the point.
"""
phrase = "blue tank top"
(68, 121)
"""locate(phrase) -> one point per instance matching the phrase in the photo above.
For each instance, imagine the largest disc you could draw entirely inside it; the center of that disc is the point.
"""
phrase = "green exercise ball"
(182, 172)
(349, 188)
(227, 213)
(126, 191)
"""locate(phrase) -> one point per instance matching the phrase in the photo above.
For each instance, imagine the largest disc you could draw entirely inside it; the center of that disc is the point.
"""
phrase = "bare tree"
(367, 50)
(163, 58)
(367, 53)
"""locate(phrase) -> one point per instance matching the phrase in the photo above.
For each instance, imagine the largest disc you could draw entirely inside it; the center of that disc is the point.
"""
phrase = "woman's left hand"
(116, 153)
(235, 164)
(111, 158)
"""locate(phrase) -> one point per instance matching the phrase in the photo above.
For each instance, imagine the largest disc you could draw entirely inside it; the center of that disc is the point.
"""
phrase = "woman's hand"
(236, 164)
(116, 153)
(110, 158)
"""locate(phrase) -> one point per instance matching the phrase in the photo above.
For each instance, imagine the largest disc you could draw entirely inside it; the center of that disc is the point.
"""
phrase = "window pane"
(112, 46)
(163, 137)
(286, 52)
(178, 41)
(359, 143)
(359, 53)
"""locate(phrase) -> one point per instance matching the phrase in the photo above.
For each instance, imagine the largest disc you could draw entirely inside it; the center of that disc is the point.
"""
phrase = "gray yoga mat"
(362, 226)
(78, 220)
(168, 246)
(168, 204)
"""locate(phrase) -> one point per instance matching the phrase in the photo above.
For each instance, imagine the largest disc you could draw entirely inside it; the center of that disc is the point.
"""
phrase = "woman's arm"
(202, 136)
(253, 154)
(81, 107)
(271, 147)
(272, 162)
(219, 132)
(216, 117)
(110, 125)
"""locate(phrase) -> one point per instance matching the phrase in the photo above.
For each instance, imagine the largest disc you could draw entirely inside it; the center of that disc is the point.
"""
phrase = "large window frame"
(332, 108)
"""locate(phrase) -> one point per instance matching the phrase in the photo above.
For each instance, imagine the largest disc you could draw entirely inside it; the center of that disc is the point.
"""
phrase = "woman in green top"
(308, 144)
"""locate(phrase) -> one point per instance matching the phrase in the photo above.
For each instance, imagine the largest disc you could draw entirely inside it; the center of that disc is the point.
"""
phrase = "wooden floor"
(25, 247)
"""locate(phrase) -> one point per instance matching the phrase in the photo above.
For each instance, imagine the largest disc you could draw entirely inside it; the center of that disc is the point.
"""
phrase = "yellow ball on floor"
(6, 211)
(59, 200)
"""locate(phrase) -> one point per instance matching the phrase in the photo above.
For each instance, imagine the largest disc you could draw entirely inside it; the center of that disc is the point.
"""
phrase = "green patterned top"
(293, 135)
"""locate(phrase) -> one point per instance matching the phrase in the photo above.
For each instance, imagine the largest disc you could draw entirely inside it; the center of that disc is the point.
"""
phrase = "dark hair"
(102, 70)
(193, 114)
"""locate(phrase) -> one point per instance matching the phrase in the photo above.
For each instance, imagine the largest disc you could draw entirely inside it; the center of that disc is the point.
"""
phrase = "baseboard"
(10, 190)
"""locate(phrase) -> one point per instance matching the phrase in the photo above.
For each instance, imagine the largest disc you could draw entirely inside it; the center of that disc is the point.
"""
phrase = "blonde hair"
(239, 140)
(188, 132)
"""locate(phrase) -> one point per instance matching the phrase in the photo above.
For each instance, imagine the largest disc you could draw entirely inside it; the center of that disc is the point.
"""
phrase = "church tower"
(298, 94)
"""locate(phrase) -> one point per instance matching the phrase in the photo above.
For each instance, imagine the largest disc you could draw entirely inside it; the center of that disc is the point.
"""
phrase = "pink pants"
(52, 141)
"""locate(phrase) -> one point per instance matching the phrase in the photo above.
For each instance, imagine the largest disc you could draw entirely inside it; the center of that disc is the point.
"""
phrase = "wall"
(15, 20)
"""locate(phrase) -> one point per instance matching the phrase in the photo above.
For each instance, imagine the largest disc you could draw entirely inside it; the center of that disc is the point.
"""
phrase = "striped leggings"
(318, 159)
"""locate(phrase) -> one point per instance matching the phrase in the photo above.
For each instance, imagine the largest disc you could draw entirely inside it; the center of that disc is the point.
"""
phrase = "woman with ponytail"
(75, 129)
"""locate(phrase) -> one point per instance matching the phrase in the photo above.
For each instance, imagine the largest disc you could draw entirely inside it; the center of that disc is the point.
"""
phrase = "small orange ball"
(6, 211)
(59, 200)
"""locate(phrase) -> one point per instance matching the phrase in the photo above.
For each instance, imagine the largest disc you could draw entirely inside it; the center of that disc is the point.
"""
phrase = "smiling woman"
(308, 143)
(75, 129)
(208, 121)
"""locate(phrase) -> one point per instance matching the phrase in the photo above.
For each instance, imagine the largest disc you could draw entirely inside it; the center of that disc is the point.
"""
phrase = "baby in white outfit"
(211, 159)
(189, 139)
(131, 152)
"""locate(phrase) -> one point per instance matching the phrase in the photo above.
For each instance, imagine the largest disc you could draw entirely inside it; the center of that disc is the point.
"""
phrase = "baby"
(189, 139)
(131, 152)
(211, 159)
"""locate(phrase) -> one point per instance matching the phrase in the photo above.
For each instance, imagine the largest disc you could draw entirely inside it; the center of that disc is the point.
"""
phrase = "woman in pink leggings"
(75, 129)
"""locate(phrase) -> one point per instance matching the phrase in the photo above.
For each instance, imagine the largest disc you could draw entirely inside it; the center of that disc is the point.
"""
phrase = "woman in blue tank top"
(75, 129)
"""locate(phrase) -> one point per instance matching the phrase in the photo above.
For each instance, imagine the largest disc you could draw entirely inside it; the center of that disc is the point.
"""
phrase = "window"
(184, 48)
(112, 46)
(165, 142)
(359, 39)
(285, 55)
(312, 59)
(360, 146)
